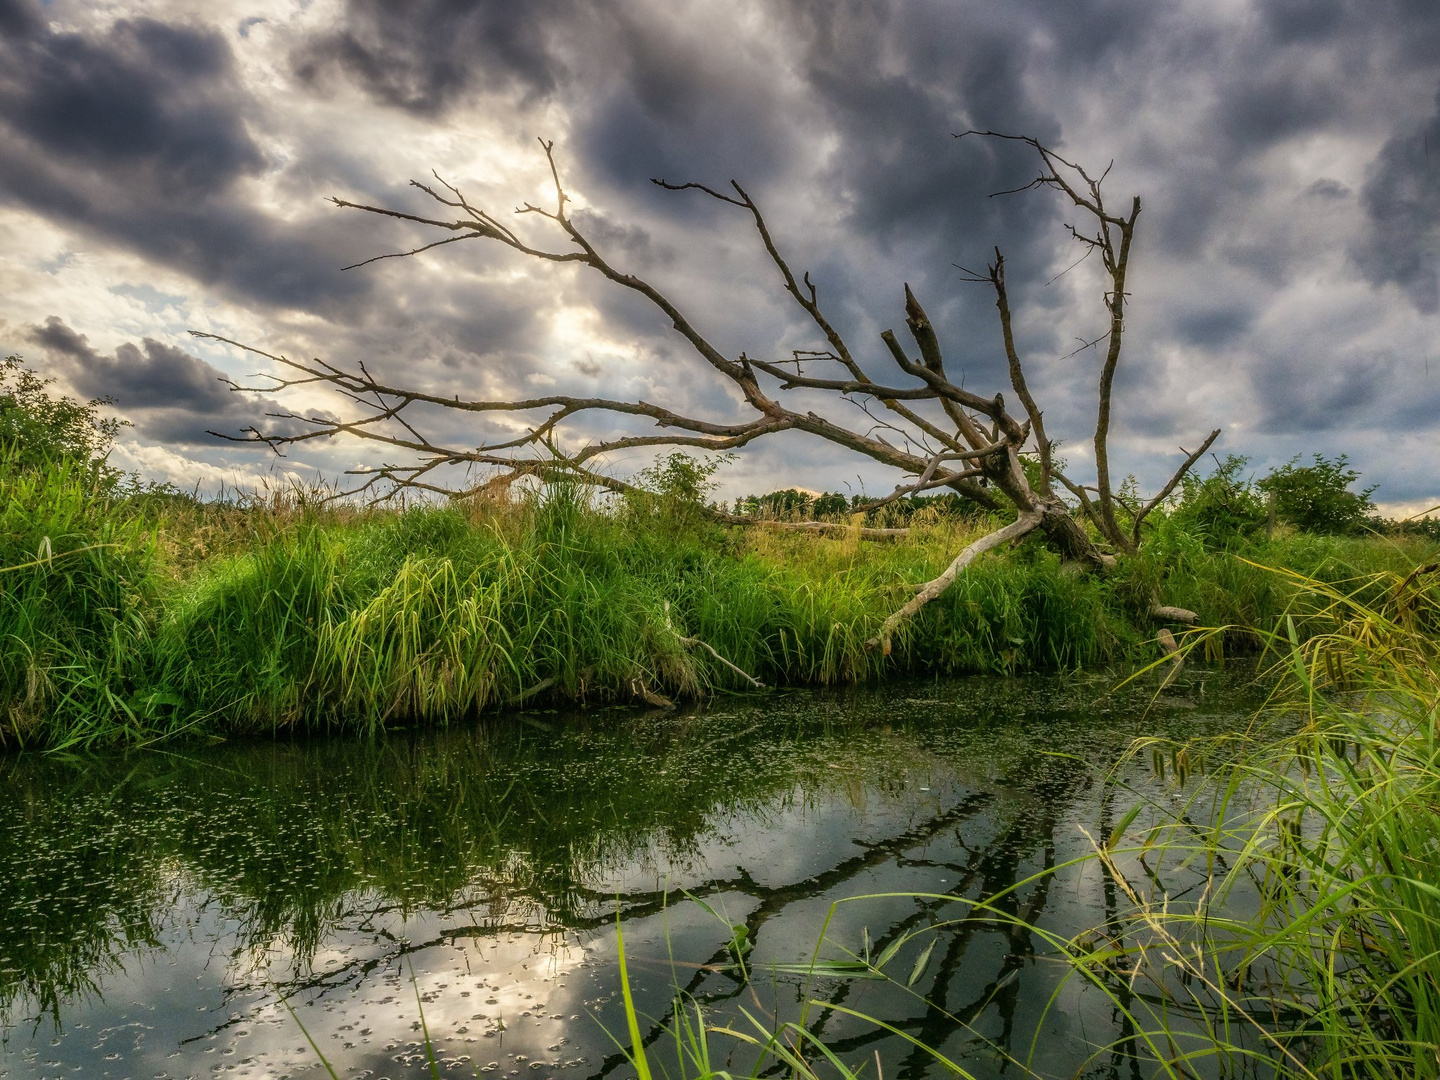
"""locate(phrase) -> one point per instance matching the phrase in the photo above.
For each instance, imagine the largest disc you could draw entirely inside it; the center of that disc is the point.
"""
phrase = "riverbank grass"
(127, 619)
(1310, 946)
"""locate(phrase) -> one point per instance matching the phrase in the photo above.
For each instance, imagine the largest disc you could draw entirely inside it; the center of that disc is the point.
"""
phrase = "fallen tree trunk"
(931, 589)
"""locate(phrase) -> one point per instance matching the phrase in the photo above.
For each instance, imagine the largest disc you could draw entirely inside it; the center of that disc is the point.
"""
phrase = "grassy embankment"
(124, 620)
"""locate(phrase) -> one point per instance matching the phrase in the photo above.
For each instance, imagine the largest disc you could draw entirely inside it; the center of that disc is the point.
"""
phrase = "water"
(162, 914)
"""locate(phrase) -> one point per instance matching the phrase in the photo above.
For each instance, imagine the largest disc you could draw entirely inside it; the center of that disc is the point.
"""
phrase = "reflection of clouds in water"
(766, 829)
(173, 1010)
(864, 793)
(798, 835)
(507, 1000)
(498, 999)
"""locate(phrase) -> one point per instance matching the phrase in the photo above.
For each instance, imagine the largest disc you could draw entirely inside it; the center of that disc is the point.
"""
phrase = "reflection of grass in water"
(296, 843)
(61, 937)
(791, 1045)
(292, 842)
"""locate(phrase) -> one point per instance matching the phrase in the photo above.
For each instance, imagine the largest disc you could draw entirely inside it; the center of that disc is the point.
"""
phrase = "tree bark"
(1025, 523)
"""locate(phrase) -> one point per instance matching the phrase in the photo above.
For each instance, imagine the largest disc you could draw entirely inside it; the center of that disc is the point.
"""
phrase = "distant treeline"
(1226, 505)
(794, 505)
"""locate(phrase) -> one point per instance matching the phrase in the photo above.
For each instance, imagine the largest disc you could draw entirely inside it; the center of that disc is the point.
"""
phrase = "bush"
(1223, 509)
(1427, 527)
(676, 489)
(1317, 498)
(37, 429)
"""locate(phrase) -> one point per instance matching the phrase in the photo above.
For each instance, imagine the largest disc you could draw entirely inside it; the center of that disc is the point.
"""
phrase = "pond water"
(209, 911)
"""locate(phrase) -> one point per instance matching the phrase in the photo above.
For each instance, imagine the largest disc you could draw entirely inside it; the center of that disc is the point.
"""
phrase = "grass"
(128, 620)
(1310, 946)
(74, 580)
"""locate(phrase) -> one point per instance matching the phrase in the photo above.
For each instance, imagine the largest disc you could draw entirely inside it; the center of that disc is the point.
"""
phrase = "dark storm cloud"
(1300, 70)
(1217, 326)
(1302, 21)
(1327, 188)
(169, 395)
(425, 55)
(139, 133)
(19, 18)
(704, 108)
(896, 161)
(1263, 106)
(1402, 198)
(151, 99)
(1320, 392)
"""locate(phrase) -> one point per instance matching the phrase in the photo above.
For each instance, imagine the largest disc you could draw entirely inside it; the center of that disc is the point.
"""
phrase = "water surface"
(162, 913)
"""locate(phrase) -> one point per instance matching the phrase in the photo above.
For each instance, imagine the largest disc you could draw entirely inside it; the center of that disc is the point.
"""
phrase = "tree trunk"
(1067, 537)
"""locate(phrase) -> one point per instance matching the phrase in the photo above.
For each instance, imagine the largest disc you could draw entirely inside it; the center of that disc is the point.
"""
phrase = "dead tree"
(941, 434)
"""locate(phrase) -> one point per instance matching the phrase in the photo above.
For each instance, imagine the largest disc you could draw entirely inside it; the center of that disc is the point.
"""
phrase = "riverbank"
(129, 620)
(1290, 867)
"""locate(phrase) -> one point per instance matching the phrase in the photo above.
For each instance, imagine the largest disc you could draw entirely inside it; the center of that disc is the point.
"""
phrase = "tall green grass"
(1310, 944)
(125, 619)
(75, 583)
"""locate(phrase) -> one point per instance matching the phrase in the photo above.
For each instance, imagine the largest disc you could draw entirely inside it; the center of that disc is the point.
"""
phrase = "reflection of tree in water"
(947, 996)
(296, 843)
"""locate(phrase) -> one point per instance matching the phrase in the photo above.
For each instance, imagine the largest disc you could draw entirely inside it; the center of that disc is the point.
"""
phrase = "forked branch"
(933, 431)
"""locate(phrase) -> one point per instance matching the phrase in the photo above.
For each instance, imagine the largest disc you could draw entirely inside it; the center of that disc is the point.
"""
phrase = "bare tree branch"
(413, 251)
(1164, 493)
(933, 430)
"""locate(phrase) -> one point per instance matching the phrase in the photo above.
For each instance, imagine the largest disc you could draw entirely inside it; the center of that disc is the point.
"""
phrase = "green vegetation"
(1314, 944)
(129, 614)
(1307, 944)
(1284, 920)
(73, 590)
(1317, 498)
(37, 427)
(134, 618)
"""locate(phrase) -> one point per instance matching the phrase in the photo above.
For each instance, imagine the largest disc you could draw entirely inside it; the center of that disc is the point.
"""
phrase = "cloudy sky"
(164, 166)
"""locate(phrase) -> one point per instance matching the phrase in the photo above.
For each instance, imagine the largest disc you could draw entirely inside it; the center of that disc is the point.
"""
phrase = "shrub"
(1223, 509)
(1317, 498)
(37, 428)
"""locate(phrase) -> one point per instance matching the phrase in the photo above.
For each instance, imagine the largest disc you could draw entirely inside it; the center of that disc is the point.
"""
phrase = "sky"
(165, 166)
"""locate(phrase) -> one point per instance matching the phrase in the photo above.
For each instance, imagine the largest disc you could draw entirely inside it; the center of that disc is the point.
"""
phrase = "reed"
(1314, 947)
